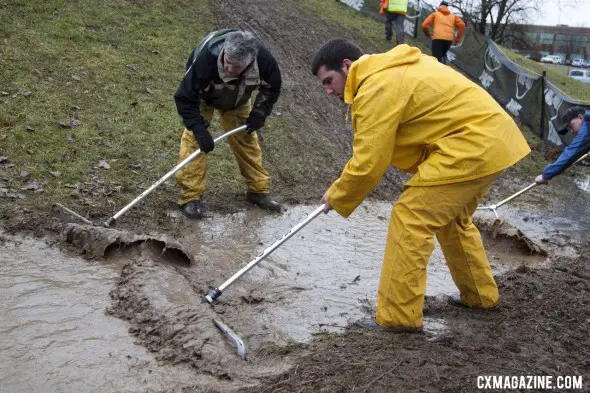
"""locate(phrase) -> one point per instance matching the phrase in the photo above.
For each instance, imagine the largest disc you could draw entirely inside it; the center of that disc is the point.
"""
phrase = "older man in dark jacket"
(222, 73)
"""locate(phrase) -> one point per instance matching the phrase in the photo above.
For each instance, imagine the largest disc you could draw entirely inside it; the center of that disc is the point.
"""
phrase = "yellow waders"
(192, 177)
(420, 213)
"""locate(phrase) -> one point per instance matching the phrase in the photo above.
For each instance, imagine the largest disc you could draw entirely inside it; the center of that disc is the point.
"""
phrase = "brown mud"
(294, 310)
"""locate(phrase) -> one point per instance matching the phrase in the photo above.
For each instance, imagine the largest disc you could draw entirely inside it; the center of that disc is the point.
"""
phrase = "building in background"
(567, 42)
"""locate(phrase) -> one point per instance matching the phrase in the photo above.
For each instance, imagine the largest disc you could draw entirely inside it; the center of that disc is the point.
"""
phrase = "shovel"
(114, 218)
(215, 293)
(497, 205)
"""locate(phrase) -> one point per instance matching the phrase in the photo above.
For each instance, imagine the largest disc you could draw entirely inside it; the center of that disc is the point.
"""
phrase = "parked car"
(581, 75)
(553, 59)
(579, 63)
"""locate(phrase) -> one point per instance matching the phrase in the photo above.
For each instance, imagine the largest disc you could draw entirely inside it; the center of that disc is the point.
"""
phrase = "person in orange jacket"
(395, 13)
(444, 22)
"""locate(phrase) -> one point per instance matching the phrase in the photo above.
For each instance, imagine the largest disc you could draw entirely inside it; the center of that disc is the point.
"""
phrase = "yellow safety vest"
(397, 6)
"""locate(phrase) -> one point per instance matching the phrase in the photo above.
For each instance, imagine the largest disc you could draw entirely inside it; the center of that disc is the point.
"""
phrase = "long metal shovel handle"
(497, 205)
(111, 220)
(215, 293)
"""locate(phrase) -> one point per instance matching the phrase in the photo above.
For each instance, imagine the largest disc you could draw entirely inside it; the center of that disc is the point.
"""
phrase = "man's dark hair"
(332, 53)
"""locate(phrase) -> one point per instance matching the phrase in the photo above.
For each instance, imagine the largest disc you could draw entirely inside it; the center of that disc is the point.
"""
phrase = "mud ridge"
(502, 231)
(97, 241)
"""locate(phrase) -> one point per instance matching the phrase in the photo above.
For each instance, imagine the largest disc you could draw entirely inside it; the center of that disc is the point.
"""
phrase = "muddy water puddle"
(54, 334)
(322, 279)
(53, 318)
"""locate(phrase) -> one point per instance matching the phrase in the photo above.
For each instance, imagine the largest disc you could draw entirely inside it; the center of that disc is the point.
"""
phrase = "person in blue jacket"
(576, 119)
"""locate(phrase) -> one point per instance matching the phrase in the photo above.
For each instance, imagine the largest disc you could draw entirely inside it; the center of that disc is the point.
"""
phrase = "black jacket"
(202, 82)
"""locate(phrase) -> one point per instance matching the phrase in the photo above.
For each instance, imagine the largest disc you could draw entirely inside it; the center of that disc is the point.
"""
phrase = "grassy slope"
(114, 66)
(575, 89)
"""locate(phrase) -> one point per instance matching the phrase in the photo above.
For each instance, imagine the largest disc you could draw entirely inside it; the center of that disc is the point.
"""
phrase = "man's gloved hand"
(254, 122)
(203, 137)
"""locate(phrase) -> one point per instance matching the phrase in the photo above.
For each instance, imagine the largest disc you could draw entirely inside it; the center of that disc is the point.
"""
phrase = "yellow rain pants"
(192, 177)
(420, 213)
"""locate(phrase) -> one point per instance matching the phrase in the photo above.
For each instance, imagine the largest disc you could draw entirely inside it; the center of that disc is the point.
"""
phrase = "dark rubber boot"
(263, 201)
(192, 210)
(455, 300)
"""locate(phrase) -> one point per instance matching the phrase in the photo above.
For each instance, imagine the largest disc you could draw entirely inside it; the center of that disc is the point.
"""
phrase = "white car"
(581, 75)
(552, 59)
(579, 63)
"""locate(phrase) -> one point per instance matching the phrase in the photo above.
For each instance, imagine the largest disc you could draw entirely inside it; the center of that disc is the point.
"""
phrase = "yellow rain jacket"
(422, 117)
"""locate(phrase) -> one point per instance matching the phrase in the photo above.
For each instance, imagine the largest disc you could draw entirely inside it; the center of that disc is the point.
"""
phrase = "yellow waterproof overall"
(419, 214)
(420, 116)
(192, 177)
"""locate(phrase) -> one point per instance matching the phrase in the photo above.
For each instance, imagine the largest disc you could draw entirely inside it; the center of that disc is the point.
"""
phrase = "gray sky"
(573, 13)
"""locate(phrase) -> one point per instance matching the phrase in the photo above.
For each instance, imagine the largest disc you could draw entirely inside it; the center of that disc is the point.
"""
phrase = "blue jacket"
(579, 146)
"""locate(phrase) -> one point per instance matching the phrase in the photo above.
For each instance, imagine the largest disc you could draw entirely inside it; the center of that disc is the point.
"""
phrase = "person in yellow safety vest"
(223, 72)
(413, 113)
(395, 13)
(444, 31)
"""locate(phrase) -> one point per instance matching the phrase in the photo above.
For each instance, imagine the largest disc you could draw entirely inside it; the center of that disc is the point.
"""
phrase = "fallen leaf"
(32, 185)
(24, 173)
(55, 173)
(30, 128)
(103, 164)
(75, 123)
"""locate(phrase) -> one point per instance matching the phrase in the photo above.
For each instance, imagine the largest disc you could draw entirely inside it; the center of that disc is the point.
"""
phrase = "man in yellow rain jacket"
(411, 112)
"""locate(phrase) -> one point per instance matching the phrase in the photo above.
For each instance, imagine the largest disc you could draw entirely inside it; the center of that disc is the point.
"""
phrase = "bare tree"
(491, 17)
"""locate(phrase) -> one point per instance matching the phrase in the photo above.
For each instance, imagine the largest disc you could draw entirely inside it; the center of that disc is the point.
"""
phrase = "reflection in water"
(54, 334)
(583, 183)
(323, 278)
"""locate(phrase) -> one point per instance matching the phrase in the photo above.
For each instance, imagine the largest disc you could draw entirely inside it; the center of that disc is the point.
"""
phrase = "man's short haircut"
(332, 54)
(241, 47)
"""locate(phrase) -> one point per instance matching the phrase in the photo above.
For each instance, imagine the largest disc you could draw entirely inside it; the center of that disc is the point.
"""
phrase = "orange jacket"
(383, 8)
(444, 25)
